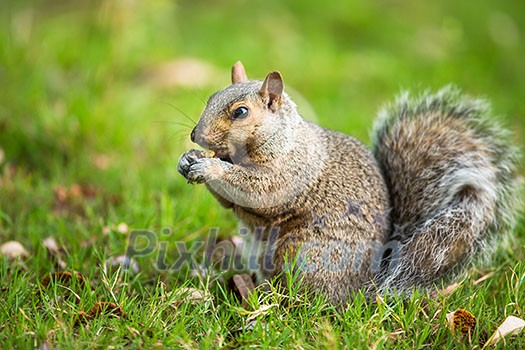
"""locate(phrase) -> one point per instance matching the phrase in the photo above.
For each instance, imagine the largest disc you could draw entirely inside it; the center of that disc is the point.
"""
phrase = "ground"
(96, 105)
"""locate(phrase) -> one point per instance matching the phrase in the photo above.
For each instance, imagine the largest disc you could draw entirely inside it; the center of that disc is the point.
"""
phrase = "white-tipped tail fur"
(450, 171)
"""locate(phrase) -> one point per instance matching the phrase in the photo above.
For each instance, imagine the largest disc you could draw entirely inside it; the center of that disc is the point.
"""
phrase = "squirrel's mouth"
(222, 154)
(226, 159)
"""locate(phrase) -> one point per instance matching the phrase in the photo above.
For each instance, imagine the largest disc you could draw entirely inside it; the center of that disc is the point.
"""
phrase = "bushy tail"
(451, 172)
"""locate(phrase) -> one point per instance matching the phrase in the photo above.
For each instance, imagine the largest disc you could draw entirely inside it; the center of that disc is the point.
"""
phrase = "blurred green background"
(97, 100)
(103, 93)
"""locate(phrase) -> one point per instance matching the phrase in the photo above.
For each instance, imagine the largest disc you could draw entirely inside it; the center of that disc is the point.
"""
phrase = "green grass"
(82, 102)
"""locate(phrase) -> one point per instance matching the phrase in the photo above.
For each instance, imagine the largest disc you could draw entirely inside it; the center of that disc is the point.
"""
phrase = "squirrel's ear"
(272, 90)
(238, 73)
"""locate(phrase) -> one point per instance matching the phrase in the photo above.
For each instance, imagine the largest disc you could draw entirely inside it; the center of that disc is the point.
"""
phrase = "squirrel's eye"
(239, 113)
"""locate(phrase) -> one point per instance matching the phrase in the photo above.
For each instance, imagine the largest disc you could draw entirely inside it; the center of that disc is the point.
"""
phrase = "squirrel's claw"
(186, 161)
(205, 169)
(197, 169)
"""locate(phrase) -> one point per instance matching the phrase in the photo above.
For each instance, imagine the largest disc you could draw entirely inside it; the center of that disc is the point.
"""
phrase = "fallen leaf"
(54, 252)
(51, 245)
(64, 277)
(72, 200)
(106, 308)
(100, 308)
(101, 161)
(13, 250)
(83, 191)
(190, 295)
(511, 325)
(461, 320)
(242, 285)
(63, 280)
(60, 193)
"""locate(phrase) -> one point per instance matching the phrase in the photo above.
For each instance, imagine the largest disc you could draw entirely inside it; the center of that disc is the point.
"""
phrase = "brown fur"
(335, 207)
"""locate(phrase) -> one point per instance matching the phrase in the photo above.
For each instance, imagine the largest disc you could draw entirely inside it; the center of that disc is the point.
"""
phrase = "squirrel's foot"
(197, 169)
(185, 162)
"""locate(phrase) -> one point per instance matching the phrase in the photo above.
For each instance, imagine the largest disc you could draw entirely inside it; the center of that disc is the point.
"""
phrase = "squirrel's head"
(245, 116)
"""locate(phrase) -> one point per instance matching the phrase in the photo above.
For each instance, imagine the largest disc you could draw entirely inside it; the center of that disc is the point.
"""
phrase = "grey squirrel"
(435, 191)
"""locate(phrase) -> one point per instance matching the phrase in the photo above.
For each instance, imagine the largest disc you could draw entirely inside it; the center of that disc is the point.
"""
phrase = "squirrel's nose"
(192, 136)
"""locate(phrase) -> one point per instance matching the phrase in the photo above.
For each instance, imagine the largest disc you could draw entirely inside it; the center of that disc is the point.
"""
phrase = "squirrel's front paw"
(186, 160)
(197, 169)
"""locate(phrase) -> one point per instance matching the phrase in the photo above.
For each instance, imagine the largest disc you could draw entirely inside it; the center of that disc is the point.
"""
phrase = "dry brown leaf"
(13, 250)
(65, 280)
(511, 325)
(461, 320)
(101, 161)
(60, 193)
(64, 277)
(106, 308)
(71, 200)
(242, 285)
(100, 308)
(83, 192)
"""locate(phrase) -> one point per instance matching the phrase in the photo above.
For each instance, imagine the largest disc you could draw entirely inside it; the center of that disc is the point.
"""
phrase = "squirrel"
(435, 191)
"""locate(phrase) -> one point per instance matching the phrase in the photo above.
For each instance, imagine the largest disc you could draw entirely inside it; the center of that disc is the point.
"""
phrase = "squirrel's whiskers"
(429, 199)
